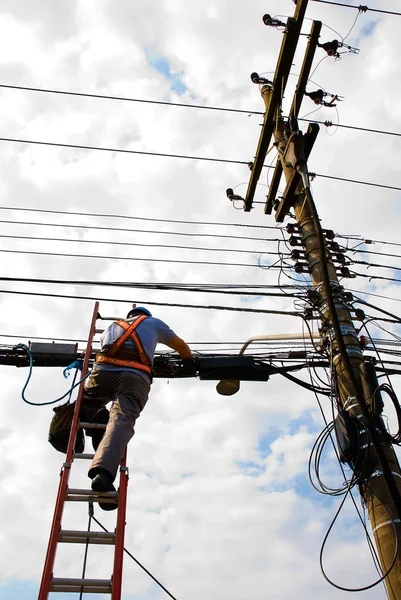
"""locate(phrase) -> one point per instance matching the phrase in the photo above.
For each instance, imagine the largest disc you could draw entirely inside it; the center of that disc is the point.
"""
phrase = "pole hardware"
(231, 196)
(318, 95)
(272, 22)
(332, 48)
(255, 78)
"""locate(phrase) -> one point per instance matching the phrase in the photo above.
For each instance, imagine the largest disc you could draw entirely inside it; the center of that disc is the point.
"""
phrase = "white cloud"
(219, 503)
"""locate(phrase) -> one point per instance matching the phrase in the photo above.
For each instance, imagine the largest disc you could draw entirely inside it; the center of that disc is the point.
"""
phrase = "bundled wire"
(65, 372)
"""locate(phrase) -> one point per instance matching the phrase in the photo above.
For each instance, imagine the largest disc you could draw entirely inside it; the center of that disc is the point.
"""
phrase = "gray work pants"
(129, 393)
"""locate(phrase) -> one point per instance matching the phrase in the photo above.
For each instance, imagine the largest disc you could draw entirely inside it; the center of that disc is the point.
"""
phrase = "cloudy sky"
(220, 505)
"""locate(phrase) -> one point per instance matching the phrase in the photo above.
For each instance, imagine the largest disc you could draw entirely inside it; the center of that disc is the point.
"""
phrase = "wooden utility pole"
(356, 392)
(379, 475)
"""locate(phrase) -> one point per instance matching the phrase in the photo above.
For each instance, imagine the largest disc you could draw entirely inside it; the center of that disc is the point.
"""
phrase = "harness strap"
(119, 362)
(130, 333)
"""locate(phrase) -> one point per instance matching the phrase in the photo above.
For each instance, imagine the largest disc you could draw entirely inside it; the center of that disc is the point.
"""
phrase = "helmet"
(138, 310)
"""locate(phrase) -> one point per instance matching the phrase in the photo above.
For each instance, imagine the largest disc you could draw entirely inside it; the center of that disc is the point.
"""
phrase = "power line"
(103, 228)
(152, 303)
(342, 126)
(135, 218)
(365, 240)
(123, 151)
(187, 157)
(198, 288)
(141, 245)
(175, 221)
(361, 7)
(358, 181)
(125, 99)
(375, 295)
(183, 105)
(135, 258)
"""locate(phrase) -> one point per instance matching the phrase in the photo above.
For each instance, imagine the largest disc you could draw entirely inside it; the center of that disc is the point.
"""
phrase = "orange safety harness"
(133, 358)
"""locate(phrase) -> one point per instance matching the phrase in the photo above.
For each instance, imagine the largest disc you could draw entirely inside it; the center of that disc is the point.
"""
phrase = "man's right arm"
(180, 346)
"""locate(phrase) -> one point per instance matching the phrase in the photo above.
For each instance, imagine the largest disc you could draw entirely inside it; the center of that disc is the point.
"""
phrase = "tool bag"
(60, 428)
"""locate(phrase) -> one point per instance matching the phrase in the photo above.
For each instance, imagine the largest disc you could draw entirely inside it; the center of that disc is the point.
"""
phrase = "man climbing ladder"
(122, 374)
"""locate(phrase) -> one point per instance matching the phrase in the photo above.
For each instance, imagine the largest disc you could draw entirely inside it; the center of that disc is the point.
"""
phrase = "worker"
(122, 374)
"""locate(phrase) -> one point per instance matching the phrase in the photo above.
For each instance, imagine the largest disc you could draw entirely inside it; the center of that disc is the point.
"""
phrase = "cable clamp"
(350, 400)
(378, 473)
(390, 522)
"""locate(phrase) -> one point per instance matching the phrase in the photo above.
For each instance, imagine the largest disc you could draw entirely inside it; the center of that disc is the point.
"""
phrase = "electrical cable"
(187, 157)
(125, 99)
(181, 105)
(134, 217)
(366, 241)
(366, 587)
(391, 438)
(352, 261)
(364, 129)
(137, 244)
(124, 151)
(385, 312)
(156, 286)
(68, 393)
(373, 253)
(153, 303)
(361, 7)
(134, 258)
(138, 563)
(104, 228)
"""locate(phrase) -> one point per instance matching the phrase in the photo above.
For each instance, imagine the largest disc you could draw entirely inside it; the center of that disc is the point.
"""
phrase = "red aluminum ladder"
(65, 493)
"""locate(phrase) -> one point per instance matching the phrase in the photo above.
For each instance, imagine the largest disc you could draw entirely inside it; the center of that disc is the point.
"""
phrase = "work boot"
(102, 483)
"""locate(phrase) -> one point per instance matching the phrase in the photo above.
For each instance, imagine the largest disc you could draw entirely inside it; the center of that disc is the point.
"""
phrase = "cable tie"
(390, 522)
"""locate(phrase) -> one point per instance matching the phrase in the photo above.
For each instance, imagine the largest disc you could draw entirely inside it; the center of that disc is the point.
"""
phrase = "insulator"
(329, 234)
(256, 78)
(312, 296)
(295, 254)
(294, 241)
(340, 258)
(334, 247)
(345, 272)
(348, 297)
(360, 314)
(299, 268)
(292, 227)
(331, 47)
(250, 165)
(316, 96)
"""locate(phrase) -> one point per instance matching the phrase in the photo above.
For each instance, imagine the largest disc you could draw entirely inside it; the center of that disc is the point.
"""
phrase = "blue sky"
(163, 66)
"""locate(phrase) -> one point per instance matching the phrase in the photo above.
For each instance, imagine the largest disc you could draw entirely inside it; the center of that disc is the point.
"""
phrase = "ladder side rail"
(65, 474)
(120, 531)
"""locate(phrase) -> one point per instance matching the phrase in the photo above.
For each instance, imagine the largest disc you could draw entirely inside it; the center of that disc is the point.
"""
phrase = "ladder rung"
(95, 586)
(78, 455)
(85, 425)
(79, 495)
(99, 330)
(82, 537)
